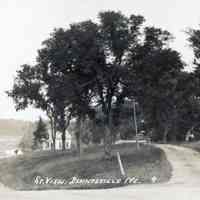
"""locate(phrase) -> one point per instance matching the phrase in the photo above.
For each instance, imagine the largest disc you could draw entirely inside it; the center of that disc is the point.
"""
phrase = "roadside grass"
(192, 145)
(20, 173)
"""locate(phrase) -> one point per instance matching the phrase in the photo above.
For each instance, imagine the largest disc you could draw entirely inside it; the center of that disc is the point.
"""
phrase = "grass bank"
(49, 170)
(192, 145)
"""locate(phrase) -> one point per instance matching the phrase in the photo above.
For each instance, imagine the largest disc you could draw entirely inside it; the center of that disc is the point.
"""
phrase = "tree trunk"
(174, 136)
(78, 141)
(54, 144)
(63, 139)
(175, 123)
(108, 137)
(53, 133)
(107, 142)
(54, 137)
(78, 136)
(165, 135)
(62, 124)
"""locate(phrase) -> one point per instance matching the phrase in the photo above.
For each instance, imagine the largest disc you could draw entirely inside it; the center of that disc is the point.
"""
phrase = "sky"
(24, 24)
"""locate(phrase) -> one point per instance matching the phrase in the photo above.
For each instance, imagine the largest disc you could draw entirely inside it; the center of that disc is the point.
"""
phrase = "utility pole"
(135, 121)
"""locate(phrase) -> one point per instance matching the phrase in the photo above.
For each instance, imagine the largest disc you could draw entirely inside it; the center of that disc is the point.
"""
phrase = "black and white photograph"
(99, 100)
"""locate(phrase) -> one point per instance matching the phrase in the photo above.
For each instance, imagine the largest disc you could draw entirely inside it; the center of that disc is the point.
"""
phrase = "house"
(48, 144)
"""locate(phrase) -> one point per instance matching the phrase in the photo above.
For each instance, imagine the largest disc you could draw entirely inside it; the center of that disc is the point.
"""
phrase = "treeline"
(89, 71)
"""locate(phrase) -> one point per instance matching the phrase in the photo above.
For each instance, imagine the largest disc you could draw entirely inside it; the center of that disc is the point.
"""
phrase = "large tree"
(154, 70)
(194, 42)
(93, 57)
(96, 66)
(30, 89)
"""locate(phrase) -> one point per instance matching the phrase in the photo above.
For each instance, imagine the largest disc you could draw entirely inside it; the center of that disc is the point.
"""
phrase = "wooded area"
(92, 72)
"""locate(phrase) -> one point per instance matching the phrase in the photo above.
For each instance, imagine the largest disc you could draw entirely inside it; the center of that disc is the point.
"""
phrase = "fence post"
(121, 165)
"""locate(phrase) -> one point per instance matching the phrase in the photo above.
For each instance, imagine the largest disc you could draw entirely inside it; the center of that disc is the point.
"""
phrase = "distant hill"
(12, 127)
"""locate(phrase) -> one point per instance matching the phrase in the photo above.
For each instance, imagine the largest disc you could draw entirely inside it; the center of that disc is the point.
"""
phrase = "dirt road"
(184, 184)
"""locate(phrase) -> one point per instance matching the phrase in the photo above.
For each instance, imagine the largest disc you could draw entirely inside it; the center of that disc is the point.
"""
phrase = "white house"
(48, 144)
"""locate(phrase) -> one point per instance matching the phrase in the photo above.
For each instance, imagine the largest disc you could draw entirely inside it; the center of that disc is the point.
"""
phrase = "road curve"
(186, 166)
(184, 184)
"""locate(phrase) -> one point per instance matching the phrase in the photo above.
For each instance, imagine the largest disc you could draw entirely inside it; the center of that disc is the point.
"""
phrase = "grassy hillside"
(11, 127)
(20, 173)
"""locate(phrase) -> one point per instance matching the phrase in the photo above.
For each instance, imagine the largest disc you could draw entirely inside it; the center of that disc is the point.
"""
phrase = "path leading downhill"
(184, 184)
(186, 166)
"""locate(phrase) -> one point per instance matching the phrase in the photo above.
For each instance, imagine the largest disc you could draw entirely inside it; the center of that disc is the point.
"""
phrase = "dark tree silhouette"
(40, 134)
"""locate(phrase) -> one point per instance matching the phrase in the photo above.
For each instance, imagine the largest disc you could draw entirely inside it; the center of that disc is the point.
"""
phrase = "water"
(7, 145)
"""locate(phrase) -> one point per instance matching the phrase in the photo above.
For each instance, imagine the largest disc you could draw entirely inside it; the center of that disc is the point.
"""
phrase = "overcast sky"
(26, 23)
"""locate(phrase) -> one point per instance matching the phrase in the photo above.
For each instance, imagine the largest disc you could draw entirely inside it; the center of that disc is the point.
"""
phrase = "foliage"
(40, 134)
(91, 69)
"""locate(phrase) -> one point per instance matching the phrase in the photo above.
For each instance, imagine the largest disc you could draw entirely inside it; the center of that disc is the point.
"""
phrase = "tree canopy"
(95, 67)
